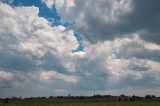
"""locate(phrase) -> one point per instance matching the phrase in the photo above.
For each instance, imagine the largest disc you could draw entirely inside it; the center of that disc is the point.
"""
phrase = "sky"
(79, 47)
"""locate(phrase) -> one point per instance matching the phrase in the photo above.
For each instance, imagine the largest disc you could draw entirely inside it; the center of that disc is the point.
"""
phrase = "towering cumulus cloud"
(27, 41)
(105, 19)
(121, 39)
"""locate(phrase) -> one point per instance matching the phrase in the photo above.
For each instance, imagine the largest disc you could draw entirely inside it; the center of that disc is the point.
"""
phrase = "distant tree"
(133, 98)
(119, 99)
(6, 100)
(107, 96)
(51, 97)
(42, 97)
(98, 95)
(153, 96)
(148, 96)
(69, 95)
(20, 97)
(122, 95)
(125, 99)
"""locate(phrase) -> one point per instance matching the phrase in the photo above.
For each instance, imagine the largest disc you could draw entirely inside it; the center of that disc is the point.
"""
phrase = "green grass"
(82, 103)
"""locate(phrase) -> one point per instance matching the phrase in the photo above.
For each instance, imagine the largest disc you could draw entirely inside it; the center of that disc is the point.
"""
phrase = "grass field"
(42, 103)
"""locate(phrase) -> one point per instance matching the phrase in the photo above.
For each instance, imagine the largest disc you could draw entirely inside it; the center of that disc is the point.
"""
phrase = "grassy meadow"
(77, 102)
(83, 104)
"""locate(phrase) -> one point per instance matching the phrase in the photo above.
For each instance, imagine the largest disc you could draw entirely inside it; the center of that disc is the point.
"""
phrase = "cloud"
(33, 33)
(29, 43)
(24, 35)
(107, 15)
(104, 20)
(5, 79)
(121, 62)
(67, 4)
(39, 57)
(49, 3)
(46, 75)
(6, 75)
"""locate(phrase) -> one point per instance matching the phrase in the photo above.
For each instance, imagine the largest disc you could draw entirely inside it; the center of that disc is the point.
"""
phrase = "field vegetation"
(96, 100)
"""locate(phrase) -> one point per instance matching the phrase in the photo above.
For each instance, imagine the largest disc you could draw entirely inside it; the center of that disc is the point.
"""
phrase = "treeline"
(96, 98)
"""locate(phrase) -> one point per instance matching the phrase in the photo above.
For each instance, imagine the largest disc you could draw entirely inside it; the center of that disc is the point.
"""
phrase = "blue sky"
(50, 14)
(79, 47)
(44, 10)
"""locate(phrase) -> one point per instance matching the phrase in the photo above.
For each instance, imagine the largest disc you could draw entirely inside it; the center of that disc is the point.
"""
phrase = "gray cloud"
(37, 57)
(16, 62)
(104, 20)
(145, 15)
(51, 62)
